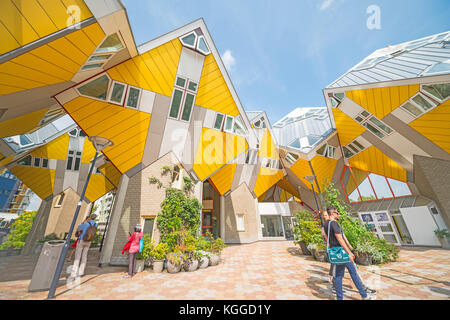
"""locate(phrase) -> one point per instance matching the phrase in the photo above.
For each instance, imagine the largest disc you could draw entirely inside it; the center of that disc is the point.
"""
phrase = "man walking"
(336, 239)
(83, 245)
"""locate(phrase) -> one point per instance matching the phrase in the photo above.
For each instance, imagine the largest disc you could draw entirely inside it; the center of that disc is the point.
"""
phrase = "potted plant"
(158, 253)
(319, 251)
(204, 259)
(363, 253)
(444, 237)
(303, 221)
(144, 255)
(216, 248)
(191, 259)
(174, 262)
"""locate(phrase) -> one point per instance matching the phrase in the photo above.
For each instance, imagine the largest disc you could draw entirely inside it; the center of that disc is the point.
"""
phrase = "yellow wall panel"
(36, 16)
(381, 101)
(39, 180)
(55, 149)
(323, 169)
(213, 92)
(8, 42)
(266, 179)
(215, 149)
(285, 185)
(98, 186)
(154, 70)
(434, 125)
(373, 160)
(111, 172)
(268, 149)
(127, 128)
(223, 178)
(21, 124)
(347, 128)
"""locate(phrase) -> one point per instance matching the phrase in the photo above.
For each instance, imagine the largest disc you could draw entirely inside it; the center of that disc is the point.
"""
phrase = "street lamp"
(310, 179)
(99, 143)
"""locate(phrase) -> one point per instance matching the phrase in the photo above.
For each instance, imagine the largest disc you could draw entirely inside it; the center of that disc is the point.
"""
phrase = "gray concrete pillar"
(113, 224)
(222, 217)
(37, 231)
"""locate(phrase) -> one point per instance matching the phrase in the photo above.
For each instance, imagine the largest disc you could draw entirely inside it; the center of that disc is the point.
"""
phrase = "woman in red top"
(134, 249)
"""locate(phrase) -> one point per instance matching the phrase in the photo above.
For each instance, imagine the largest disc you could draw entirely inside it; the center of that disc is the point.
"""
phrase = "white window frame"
(430, 96)
(290, 158)
(242, 125)
(125, 102)
(185, 90)
(366, 119)
(238, 225)
(92, 79)
(424, 96)
(186, 44)
(110, 91)
(74, 156)
(206, 43)
(95, 54)
(225, 124)
(196, 46)
(222, 123)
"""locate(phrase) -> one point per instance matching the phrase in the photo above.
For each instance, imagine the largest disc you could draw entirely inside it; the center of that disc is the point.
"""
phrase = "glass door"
(288, 228)
(380, 222)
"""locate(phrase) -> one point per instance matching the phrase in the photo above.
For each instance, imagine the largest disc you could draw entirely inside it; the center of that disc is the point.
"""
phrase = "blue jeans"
(340, 270)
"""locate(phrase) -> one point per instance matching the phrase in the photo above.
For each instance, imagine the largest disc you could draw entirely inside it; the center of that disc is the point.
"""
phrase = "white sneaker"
(370, 297)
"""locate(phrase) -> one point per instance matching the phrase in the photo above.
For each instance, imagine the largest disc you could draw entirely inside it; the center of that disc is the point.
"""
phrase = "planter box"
(304, 249)
(140, 265)
(445, 242)
(158, 266)
(7, 252)
(363, 259)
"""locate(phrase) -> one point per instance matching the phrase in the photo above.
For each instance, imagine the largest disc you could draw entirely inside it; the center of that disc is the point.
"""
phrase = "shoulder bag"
(336, 255)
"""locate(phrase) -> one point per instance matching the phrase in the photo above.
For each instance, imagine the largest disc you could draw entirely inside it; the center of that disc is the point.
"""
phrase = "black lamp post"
(310, 179)
(99, 143)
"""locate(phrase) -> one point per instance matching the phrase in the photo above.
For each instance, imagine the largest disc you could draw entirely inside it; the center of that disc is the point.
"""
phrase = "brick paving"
(262, 270)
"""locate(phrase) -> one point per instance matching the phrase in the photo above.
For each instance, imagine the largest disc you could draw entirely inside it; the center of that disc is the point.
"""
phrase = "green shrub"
(307, 229)
(159, 251)
(19, 231)
(50, 237)
(147, 248)
(442, 233)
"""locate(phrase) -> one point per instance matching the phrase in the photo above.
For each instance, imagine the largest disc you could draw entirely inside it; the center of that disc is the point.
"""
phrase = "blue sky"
(281, 54)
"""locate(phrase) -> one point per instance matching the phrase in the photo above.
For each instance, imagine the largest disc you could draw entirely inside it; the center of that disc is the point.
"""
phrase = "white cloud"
(326, 4)
(228, 60)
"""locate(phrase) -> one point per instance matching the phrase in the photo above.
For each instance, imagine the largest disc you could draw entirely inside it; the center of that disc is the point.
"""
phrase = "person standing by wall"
(336, 239)
(88, 230)
(134, 249)
(74, 245)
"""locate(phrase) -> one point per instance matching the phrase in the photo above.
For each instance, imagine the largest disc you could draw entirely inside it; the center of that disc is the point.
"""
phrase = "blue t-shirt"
(84, 227)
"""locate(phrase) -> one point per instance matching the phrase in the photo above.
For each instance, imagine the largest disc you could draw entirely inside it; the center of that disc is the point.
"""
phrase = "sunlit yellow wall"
(285, 185)
(213, 92)
(323, 169)
(127, 129)
(98, 186)
(40, 180)
(21, 124)
(381, 101)
(268, 148)
(223, 178)
(373, 160)
(435, 125)
(154, 70)
(266, 179)
(25, 21)
(216, 149)
(52, 63)
(347, 128)
(55, 149)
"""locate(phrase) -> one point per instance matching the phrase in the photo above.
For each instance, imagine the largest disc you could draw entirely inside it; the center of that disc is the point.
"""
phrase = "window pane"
(96, 88)
(347, 153)
(181, 82)
(257, 124)
(91, 66)
(440, 91)
(366, 191)
(340, 96)
(218, 123)
(25, 162)
(148, 226)
(359, 119)
(24, 141)
(373, 130)
(229, 123)
(295, 144)
(207, 191)
(188, 103)
(271, 226)
(100, 57)
(133, 98)
(192, 86)
(353, 148)
(73, 133)
(360, 146)
(439, 67)
(322, 149)
(412, 108)
(380, 125)
(240, 223)
(77, 164)
(399, 188)
(44, 163)
(117, 92)
(202, 45)
(380, 185)
(176, 102)
(422, 102)
(189, 39)
(112, 43)
(37, 162)
(334, 102)
(365, 114)
(69, 163)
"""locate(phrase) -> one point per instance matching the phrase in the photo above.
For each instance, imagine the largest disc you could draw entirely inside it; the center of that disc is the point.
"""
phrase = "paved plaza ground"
(262, 270)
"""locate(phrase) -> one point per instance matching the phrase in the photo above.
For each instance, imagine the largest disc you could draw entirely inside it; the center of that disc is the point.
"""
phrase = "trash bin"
(46, 265)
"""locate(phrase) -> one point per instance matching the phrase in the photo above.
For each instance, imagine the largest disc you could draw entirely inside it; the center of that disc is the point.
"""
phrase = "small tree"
(19, 231)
